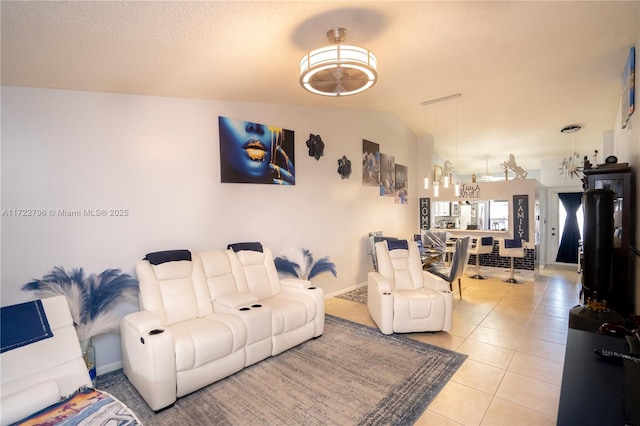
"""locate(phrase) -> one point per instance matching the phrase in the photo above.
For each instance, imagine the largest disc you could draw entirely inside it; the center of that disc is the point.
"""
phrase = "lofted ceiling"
(524, 69)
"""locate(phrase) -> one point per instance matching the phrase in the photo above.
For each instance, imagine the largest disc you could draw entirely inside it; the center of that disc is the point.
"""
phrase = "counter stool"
(511, 248)
(483, 245)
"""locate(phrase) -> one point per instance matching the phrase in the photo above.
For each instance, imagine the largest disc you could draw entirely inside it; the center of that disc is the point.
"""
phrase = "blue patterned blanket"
(23, 324)
(87, 407)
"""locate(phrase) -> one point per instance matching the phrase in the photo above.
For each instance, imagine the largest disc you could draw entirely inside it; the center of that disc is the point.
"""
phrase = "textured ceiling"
(524, 69)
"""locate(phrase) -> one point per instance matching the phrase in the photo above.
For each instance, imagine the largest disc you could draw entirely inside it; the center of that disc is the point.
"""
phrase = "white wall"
(627, 149)
(159, 158)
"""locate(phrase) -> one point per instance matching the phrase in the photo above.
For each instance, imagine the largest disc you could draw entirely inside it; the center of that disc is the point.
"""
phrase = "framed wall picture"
(402, 184)
(628, 87)
(387, 175)
(255, 153)
(370, 163)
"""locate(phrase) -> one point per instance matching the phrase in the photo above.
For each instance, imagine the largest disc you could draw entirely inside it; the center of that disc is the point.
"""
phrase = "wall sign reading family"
(255, 153)
(521, 217)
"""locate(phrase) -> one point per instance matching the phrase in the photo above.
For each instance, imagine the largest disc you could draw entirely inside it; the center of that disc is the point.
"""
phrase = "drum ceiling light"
(338, 70)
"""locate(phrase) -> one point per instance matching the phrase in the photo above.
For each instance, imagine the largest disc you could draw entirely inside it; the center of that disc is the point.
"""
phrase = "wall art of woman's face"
(246, 146)
(255, 153)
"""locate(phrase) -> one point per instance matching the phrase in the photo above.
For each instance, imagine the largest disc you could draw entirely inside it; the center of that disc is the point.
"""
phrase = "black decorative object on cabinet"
(618, 178)
(597, 280)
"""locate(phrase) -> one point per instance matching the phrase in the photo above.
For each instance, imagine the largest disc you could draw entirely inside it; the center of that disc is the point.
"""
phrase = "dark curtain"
(568, 249)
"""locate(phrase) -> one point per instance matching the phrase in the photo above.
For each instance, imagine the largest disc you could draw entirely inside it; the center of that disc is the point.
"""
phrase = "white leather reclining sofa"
(207, 316)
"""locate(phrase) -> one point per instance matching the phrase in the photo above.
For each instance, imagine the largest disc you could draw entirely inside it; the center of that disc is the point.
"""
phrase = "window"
(499, 215)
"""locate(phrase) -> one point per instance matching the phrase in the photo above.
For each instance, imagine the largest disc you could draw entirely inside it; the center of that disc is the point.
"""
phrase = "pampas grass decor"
(302, 265)
(92, 298)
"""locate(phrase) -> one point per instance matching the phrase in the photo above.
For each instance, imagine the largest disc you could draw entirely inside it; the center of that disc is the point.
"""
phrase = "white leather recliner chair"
(176, 343)
(402, 298)
(297, 308)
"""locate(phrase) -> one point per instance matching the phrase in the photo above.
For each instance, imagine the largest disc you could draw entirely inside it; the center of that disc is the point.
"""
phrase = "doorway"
(557, 215)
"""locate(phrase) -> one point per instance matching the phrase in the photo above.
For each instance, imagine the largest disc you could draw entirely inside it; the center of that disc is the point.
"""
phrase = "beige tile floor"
(514, 336)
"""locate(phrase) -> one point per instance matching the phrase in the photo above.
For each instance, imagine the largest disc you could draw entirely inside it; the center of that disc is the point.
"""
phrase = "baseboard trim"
(344, 290)
(104, 369)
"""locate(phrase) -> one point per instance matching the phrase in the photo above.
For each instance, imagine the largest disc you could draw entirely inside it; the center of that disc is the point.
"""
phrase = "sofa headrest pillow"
(158, 257)
(397, 245)
(378, 239)
(512, 243)
(487, 241)
(236, 247)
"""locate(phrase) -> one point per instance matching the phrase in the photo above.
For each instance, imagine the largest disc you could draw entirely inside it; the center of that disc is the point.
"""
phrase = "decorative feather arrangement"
(92, 299)
(302, 265)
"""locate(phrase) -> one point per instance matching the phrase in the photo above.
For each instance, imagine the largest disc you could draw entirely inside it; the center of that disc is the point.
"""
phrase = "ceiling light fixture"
(338, 70)
(446, 174)
(571, 164)
(457, 184)
(486, 177)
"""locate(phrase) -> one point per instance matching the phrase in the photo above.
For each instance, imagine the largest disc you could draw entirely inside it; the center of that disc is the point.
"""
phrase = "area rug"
(358, 295)
(351, 375)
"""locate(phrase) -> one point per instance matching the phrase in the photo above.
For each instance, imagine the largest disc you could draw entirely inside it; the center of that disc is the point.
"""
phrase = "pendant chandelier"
(571, 165)
(446, 176)
(338, 70)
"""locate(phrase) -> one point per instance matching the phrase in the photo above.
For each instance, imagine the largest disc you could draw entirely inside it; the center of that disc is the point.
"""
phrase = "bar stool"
(511, 248)
(483, 245)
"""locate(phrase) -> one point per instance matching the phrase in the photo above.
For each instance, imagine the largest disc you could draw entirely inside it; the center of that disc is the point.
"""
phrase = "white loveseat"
(206, 316)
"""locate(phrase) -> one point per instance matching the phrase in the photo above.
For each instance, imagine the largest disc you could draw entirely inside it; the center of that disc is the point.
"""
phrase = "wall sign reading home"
(255, 153)
(425, 213)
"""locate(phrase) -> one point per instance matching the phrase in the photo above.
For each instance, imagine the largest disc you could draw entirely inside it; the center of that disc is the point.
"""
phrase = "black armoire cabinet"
(620, 179)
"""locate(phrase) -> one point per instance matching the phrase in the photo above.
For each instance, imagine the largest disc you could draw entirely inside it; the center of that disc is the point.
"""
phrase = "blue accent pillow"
(159, 257)
(236, 247)
(512, 243)
(376, 239)
(487, 241)
(397, 244)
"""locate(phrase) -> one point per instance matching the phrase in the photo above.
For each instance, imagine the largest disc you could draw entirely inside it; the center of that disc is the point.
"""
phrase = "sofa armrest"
(380, 302)
(295, 283)
(234, 300)
(434, 282)
(148, 358)
(379, 282)
(316, 293)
